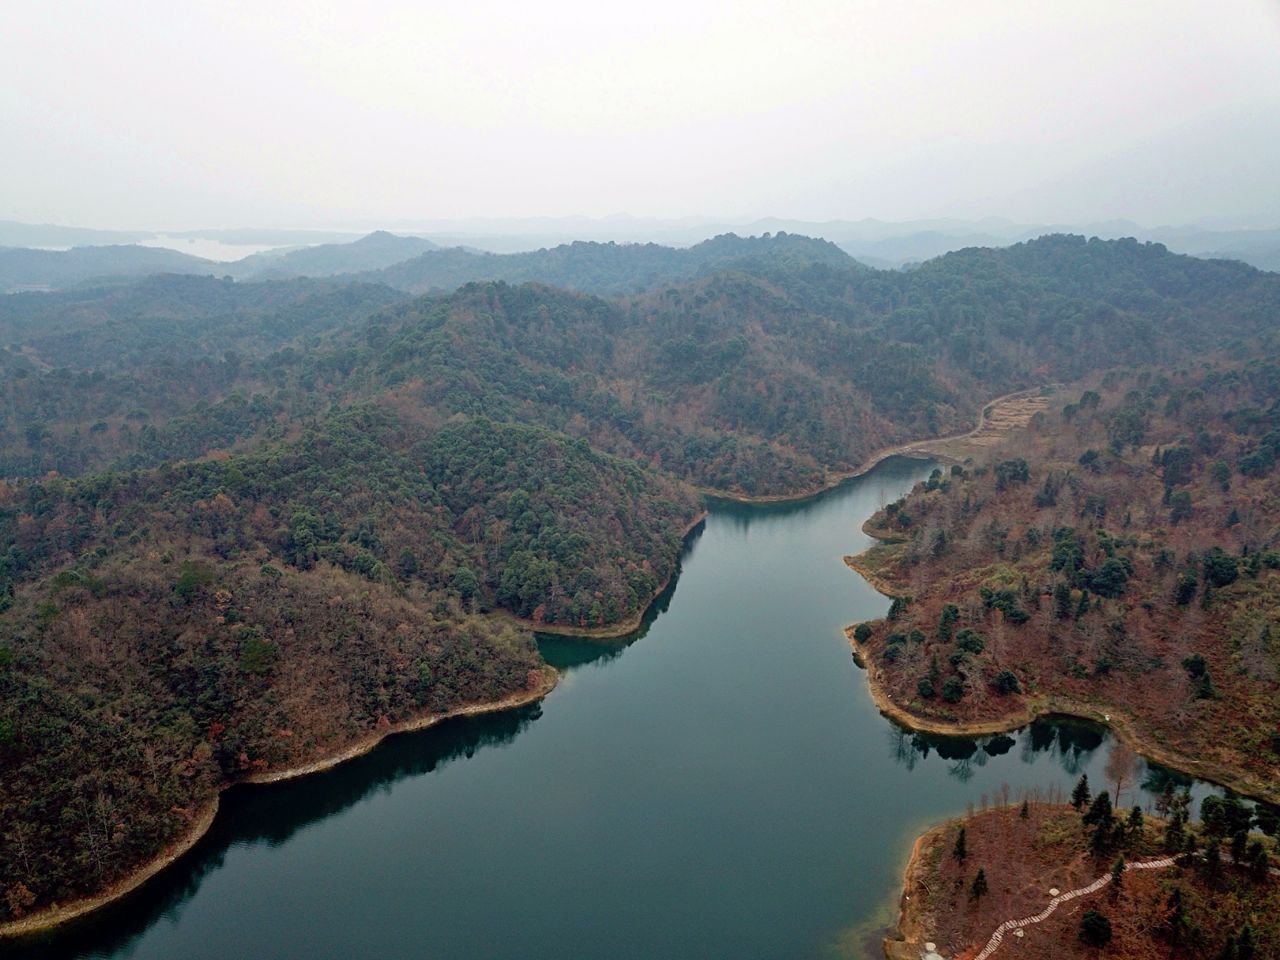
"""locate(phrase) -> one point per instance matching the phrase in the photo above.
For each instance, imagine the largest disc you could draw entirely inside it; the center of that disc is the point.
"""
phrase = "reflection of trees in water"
(571, 653)
(272, 814)
(1071, 744)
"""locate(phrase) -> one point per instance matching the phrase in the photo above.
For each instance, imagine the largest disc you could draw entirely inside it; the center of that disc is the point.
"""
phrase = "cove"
(717, 785)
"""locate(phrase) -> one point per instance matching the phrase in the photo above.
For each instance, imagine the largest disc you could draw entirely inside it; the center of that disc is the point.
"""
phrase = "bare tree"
(1122, 768)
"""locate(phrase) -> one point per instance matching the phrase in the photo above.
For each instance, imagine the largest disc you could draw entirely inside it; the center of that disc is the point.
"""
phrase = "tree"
(1122, 766)
(1006, 682)
(1211, 862)
(1220, 568)
(1246, 943)
(1095, 929)
(1180, 507)
(1258, 861)
(953, 690)
(1117, 876)
(960, 851)
(1080, 795)
(1025, 812)
(1134, 824)
(1100, 810)
(979, 888)
(1062, 601)
(1175, 923)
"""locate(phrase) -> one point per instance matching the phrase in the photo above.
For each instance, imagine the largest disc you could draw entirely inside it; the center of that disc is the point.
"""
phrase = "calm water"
(718, 786)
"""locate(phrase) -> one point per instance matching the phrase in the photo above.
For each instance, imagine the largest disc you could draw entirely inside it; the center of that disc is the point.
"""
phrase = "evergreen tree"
(1258, 861)
(1134, 824)
(1062, 601)
(959, 851)
(979, 888)
(1246, 943)
(1080, 795)
(1117, 876)
(1099, 811)
(1095, 928)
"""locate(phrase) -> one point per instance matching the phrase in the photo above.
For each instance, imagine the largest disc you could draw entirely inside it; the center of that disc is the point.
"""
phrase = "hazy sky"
(280, 113)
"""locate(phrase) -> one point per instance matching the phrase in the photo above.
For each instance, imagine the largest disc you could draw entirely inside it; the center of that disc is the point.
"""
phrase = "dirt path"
(997, 938)
(995, 422)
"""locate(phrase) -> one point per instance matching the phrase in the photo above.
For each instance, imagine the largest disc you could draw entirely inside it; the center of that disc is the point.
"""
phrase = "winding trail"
(997, 938)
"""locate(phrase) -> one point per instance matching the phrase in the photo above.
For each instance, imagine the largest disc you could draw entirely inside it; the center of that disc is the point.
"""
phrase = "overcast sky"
(273, 113)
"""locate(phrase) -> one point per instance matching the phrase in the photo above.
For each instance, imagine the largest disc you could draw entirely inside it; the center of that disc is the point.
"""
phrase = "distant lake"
(209, 249)
(717, 786)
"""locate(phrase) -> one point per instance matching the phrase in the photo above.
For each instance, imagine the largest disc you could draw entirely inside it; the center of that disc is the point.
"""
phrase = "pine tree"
(979, 888)
(1117, 876)
(1246, 943)
(1080, 795)
(1100, 810)
(1095, 928)
(1025, 812)
(1133, 826)
(959, 851)
(1259, 862)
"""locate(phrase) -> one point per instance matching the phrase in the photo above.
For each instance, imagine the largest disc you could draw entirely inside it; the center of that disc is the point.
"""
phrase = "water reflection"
(1068, 742)
(272, 815)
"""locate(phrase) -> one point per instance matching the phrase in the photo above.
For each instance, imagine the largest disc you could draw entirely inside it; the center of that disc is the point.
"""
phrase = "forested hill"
(22, 268)
(245, 524)
(756, 380)
(373, 252)
(607, 268)
(1120, 556)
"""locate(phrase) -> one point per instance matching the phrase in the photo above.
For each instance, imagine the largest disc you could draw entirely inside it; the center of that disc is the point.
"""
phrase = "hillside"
(1036, 855)
(257, 522)
(605, 268)
(26, 269)
(1118, 558)
(169, 632)
(763, 379)
(373, 252)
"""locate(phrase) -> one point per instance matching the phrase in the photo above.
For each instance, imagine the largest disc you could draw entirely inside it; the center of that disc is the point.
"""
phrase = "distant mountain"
(23, 269)
(14, 234)
(377, 250)
(606, 267)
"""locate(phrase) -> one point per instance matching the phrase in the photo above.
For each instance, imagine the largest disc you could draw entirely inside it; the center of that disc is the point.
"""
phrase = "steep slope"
(171, 631)
(1119, 558)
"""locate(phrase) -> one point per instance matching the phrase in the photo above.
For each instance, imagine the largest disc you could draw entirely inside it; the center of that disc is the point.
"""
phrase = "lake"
(718, 785)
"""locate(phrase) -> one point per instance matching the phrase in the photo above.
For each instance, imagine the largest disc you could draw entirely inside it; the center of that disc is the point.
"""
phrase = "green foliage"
(953, 690)
(1095, 928)
(1220, 568)
(193, 577)
(1006, 682)
(258, 655)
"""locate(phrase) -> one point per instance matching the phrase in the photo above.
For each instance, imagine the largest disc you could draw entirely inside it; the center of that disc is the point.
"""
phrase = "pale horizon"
(170, 116)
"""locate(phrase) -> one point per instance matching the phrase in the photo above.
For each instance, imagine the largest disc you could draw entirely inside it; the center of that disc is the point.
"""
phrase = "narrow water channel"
(719, 785)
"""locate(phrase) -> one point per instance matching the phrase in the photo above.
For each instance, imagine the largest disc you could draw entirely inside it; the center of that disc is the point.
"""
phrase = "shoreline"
(1050, 705)
(905, 940)
(912, 449)
(611, 631)
(57, 914)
